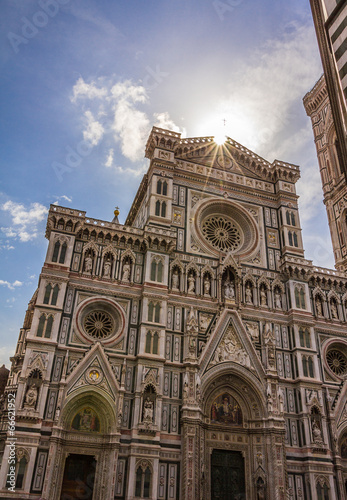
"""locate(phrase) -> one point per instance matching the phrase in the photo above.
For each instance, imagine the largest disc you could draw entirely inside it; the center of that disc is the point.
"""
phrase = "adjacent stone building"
(191, 353)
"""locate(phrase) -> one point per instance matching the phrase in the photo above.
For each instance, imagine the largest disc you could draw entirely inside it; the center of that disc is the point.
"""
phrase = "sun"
(219, 137)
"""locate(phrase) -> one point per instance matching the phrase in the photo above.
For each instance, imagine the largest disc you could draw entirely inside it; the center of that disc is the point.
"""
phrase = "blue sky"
(82, 83)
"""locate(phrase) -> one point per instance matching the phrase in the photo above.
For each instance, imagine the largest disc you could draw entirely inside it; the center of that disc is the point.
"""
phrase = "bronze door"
(78, 481)
(227, 475)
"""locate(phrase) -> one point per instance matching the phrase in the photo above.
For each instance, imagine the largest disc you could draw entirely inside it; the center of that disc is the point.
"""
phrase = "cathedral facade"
(192, 353)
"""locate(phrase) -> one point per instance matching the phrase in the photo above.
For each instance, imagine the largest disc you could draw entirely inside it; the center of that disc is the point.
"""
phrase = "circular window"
(337, 361)
(100, 319)
(223, 233)
(99, 324)
(224, 226)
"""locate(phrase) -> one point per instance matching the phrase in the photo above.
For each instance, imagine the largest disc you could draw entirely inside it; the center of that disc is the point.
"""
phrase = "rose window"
(337, 361)
(98, 324)
(222, 233)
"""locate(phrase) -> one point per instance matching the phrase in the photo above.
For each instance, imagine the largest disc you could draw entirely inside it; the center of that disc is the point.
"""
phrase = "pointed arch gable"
(192, 267)
(90, 246)
(277, 283)
(177, 263)
(318, 292)
(264, 281)
(130, 254)
(249, 277)
(109, 249)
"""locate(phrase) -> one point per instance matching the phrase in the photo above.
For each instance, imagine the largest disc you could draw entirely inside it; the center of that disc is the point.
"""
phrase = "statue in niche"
(263, 296)
(229, 290)
(278, 299)
(31, 397)
(319, 308)
(333, 310)
(126, 271)
(191, 283)
(207, 286)
(175, 280)
(88, 264)
(316, 432)
(107, 268)
(148, 411)
(249, 298)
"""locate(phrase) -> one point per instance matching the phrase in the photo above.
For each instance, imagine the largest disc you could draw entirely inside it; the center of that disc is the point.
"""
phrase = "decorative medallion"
(222, 232)
(94, 376)
(100, 319)
(224, 161)
(337, 361)
(99, 324)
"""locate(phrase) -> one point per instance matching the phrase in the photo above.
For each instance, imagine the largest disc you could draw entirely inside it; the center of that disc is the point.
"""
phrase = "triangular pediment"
(94, 371)
(230, 157)
(230, 342)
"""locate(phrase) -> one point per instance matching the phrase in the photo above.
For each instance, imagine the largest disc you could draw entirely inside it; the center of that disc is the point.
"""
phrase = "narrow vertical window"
(288, 218)
(49, 325)
(148, 342)
(147, 483)
(310, 367)
(159, 187)
(302, 299)
(293, 219)
(297, 298)
(157, 208)
(153, 270)
(47, 294)
(41, 326)
(290, 237)
(307, 338)
(56, 251)
(304, 366)
(164, 188)
(301, 334)
(155, 343)
(163, 209)
(138, 482)
(295, 236)
(20, 473)
(157, 313)
(160, 271)
(150, 311)
(62, 253)
(55, 295)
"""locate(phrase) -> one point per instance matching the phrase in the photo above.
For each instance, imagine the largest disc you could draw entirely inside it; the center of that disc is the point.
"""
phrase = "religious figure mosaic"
(86, 420)
(226, 410)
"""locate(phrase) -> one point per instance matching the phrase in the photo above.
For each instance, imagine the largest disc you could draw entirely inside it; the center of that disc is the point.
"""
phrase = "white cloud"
(9, 285)
(62, 197)
(24, 220)
(118, 105)
(81, 89)
(261, 96)
(130, 124)
(109, 159)
(163, 120)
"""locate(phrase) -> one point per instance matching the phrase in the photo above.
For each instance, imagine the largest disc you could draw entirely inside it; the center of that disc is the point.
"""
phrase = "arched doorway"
(235, 445)
(84, 449)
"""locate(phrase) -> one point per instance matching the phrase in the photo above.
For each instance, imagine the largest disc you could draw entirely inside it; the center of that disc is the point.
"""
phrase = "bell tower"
(318, 108)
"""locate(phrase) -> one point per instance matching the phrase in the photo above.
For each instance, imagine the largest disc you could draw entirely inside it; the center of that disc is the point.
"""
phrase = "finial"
(116, 213)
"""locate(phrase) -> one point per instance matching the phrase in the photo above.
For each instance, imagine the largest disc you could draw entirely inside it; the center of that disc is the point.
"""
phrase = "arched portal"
(85, 449)
(234, 448)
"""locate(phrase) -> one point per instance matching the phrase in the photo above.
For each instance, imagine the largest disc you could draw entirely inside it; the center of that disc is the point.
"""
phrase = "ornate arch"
(86, 398)
(130, 254)
(109, 249)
